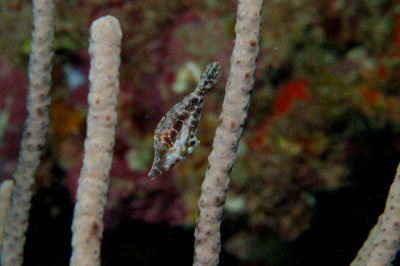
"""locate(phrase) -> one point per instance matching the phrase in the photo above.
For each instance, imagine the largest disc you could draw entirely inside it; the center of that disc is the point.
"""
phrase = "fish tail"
(209, 77)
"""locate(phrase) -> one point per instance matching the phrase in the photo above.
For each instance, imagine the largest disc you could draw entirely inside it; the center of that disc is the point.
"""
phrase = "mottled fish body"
(175, 136)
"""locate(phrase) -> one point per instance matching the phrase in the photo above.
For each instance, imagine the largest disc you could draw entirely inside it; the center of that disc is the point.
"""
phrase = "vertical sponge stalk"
(87, 227)
(383, 241)
(234, 112)
(35, 130)
(5, 200)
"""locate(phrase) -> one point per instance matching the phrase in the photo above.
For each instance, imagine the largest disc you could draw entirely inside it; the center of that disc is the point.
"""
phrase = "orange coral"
(286, 95)
(289, 92)
(65, 120)
(372, 97)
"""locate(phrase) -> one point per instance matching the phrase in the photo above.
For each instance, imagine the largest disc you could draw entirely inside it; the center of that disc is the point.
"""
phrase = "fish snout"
(154, 172)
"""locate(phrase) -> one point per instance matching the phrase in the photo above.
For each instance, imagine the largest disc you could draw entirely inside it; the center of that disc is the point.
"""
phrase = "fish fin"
(196, 143)
(209, 77)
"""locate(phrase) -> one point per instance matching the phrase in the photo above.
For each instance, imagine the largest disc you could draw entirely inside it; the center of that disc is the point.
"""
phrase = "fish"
(175, 136)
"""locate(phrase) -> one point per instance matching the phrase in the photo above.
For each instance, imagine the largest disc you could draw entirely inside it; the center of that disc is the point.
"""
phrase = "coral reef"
(326, 95)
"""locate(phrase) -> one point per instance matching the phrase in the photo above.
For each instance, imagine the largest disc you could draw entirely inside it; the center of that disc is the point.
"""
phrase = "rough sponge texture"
(382, 243)
(234, 112)
(5, 199)
(35, 130)
(87, 227)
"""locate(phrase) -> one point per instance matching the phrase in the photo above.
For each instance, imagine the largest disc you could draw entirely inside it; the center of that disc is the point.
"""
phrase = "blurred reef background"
(319, 150)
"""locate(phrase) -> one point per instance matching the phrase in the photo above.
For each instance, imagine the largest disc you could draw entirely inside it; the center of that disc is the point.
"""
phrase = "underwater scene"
(306, 147)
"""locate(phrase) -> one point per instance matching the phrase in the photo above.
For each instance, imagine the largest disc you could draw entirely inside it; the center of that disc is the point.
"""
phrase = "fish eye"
(163, 149)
